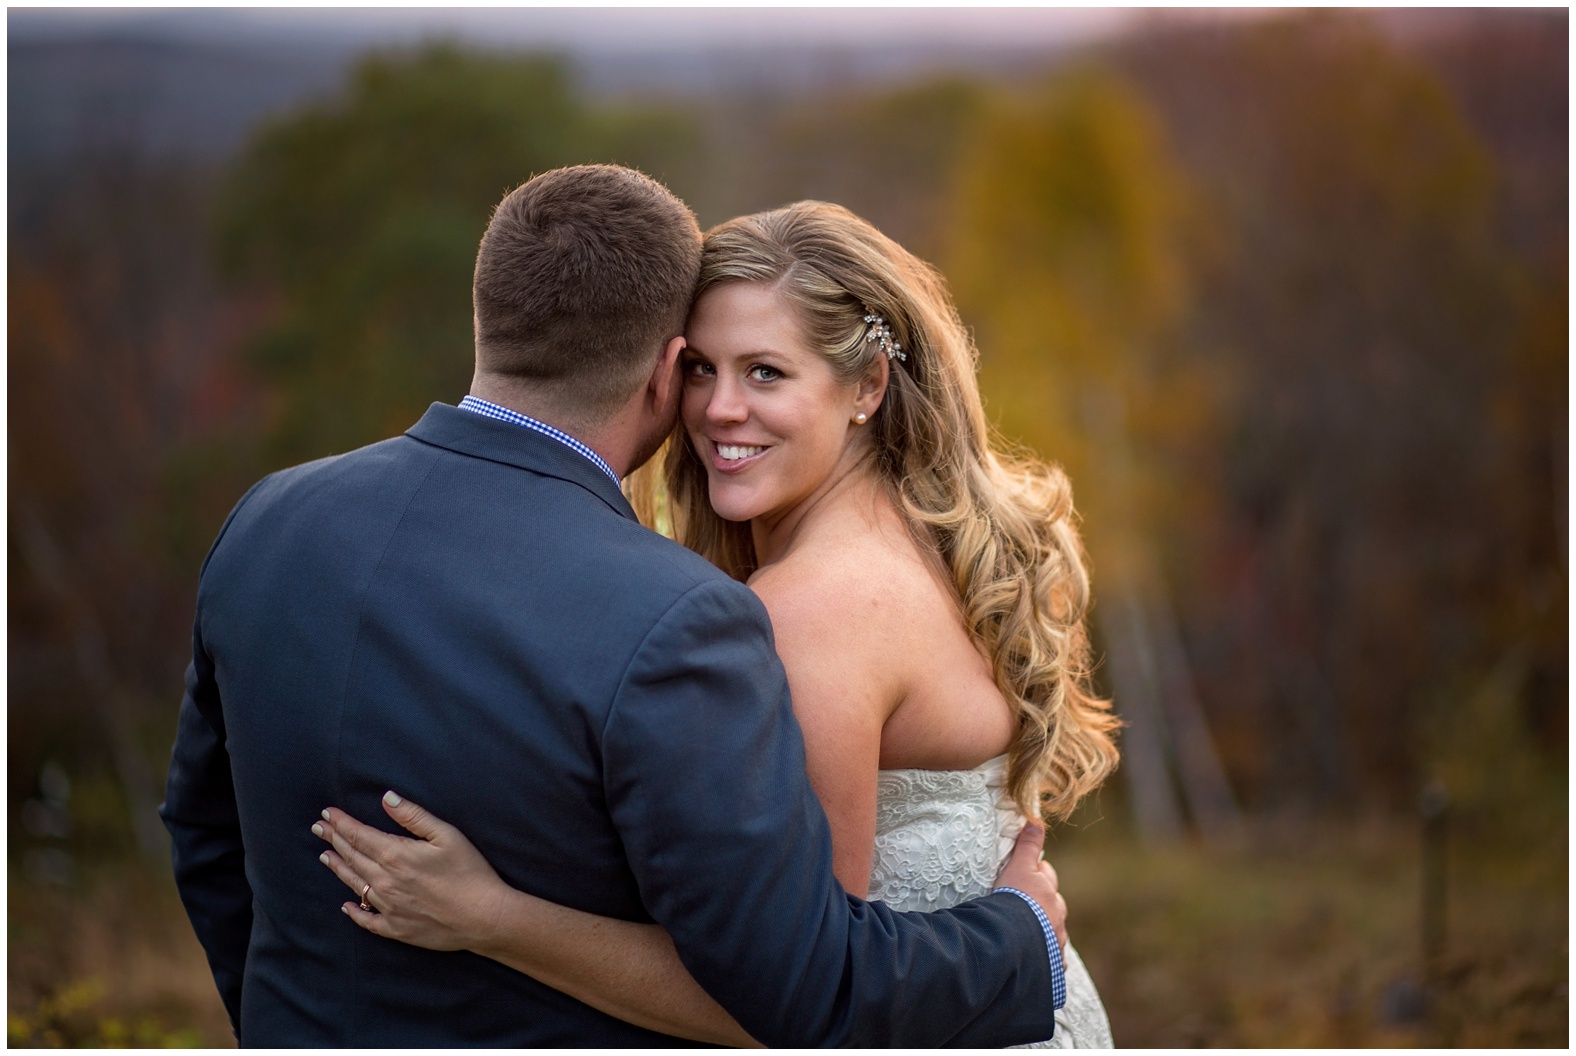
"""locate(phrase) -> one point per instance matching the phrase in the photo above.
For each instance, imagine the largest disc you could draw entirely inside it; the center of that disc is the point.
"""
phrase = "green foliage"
(890, 156)
(364, 214)
(414, 134)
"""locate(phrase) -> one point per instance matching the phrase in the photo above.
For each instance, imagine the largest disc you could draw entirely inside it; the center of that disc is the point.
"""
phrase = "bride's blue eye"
(761, 372)
(698, 368)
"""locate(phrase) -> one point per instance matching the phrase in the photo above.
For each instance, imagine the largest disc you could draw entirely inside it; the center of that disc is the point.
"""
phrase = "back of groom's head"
(583, 275)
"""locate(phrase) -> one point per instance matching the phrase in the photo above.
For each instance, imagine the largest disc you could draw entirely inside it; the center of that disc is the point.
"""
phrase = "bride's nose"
(727, 404)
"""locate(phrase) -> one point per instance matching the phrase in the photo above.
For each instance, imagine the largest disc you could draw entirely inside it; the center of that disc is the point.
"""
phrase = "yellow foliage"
(69, 1017)
(1070, 260)
(1070, 209)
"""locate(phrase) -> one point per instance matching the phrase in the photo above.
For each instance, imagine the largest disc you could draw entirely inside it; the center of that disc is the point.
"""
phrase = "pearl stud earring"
(861, 417)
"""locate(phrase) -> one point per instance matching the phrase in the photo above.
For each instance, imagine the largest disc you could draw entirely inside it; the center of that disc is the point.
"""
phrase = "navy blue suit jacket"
(471, 615)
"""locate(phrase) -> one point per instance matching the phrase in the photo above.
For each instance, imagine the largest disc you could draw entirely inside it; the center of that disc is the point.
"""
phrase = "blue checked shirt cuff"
(1058, 972)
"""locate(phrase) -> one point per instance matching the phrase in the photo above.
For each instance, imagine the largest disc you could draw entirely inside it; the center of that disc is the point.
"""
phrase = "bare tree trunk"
(1166, 730)
(1156, 812)
(1210, 800)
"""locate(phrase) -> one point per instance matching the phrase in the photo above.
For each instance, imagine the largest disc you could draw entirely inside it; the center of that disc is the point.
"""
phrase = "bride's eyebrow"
(753, 353)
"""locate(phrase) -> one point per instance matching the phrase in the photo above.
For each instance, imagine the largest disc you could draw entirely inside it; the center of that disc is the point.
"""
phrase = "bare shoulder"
(866, 598)
(851, 586)
(865, 618)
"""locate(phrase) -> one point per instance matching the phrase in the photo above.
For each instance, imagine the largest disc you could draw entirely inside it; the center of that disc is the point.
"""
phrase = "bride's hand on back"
(435, 891)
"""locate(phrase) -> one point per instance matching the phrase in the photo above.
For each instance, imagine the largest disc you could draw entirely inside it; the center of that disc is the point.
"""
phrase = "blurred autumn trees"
(1368, 567)
(1288, 299)
(112, 324)
(362, 216)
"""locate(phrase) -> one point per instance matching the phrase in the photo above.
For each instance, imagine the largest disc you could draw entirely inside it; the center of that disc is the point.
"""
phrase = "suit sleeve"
(704, 774)
(200, 813)
(205, 830)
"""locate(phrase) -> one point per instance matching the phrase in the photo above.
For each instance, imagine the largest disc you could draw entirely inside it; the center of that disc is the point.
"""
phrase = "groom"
(471, 614)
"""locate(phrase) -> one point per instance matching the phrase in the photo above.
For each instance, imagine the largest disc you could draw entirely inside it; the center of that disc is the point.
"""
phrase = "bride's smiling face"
(770, 420)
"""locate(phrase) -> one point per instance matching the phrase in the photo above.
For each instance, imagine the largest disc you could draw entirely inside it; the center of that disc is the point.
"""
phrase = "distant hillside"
(164, 97)
(198, 100)
(190, 86)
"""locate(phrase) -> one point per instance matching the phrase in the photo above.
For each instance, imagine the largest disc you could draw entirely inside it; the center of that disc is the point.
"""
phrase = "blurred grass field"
(1303, 936)
(109, 961)
(1309, 936)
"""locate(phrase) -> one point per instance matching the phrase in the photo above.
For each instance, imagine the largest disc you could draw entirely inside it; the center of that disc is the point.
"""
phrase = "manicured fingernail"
(326, 816)
(323, 857)
(317, 830)
(345, 910)
(391, 799)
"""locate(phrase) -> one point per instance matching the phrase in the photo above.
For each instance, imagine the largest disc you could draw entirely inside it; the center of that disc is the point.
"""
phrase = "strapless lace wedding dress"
(941, 837)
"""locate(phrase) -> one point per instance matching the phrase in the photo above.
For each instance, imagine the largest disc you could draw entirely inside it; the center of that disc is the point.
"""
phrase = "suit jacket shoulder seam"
(623, 678)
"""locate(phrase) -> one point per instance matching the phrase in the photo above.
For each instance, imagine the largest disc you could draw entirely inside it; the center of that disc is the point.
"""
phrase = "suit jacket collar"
(478, 436)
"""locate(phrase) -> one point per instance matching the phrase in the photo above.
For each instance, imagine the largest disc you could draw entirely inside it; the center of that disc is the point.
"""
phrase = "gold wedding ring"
(366, 906)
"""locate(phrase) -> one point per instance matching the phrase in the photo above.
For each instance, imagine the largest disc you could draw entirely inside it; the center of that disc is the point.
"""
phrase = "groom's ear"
(666, 380)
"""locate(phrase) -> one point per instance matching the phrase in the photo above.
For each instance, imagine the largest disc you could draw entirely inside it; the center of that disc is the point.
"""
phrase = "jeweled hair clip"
(877, 330)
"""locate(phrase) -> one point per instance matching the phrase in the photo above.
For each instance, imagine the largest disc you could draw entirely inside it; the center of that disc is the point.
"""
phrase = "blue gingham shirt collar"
(504, 414)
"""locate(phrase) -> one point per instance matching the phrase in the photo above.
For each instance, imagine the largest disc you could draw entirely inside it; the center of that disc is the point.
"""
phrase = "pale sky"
(612, 28)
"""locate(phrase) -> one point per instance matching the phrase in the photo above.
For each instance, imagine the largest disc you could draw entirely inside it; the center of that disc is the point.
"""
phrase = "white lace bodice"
(941, 837)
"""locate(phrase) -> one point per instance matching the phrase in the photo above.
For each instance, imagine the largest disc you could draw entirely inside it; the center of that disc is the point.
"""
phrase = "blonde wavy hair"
(1003, 525)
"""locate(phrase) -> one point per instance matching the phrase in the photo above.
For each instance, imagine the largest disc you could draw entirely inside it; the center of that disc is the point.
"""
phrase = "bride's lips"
(734, 465)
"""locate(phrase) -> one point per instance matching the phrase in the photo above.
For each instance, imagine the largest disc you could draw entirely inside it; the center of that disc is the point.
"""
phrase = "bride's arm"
(437, 891)
(839, 669)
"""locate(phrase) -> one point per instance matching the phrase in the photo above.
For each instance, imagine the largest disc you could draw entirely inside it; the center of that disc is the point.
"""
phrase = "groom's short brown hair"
(583, 274)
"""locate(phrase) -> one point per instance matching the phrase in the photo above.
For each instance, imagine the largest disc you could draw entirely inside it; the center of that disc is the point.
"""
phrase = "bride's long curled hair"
(1004, 526)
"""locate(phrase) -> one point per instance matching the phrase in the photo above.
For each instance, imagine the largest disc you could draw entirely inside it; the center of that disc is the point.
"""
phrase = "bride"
(927, 593)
